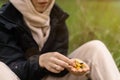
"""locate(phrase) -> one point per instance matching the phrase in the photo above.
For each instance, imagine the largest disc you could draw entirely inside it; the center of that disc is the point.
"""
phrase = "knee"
(96, 44)
(98, 48)
(2, 64)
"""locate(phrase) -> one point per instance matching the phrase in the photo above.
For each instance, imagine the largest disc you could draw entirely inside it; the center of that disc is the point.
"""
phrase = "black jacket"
(19, 50)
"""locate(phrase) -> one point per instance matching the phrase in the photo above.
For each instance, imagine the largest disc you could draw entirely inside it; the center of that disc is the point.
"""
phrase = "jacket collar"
(10, 13)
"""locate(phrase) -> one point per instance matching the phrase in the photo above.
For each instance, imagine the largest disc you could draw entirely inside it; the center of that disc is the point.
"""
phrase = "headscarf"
(39, 23)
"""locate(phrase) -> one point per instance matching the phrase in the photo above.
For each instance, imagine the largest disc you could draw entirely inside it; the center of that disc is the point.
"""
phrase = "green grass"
(91, 20)
(2, 1)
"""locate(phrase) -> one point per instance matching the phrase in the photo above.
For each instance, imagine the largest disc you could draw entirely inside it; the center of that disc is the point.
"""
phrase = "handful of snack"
(79, 64)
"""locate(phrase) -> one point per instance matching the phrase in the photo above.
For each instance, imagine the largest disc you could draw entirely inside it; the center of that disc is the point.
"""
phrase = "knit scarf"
(38, 23)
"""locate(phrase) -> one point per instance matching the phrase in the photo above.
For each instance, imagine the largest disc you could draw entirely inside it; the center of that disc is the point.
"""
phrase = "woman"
(34, 44)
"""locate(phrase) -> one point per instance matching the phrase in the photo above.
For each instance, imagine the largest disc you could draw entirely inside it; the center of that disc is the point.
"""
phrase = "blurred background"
(93, 19)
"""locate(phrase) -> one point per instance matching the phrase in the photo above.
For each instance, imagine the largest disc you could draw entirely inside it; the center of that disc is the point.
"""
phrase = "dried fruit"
(79, 64)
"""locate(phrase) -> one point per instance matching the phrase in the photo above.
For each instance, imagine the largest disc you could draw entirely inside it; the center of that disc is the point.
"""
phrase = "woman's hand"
(54, 62)
(78, 67)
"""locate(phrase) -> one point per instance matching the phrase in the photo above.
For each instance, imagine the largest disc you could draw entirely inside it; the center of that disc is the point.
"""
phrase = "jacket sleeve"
(12, 55)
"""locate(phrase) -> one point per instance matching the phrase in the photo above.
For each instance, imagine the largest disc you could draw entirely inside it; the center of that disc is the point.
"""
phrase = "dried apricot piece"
(79, 64)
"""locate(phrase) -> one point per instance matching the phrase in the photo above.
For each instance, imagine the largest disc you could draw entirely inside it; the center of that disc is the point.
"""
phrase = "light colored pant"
(97, 56)
(6, 73)
(94, 53)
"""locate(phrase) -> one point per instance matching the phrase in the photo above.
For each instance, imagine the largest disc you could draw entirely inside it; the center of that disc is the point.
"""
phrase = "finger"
(69, 68)
(86, 68)
(57, 67)
(52, 69)
(64, 58)
(78, 72)
(73, 62)
(75, 71)
(72, 69)
(60, 63)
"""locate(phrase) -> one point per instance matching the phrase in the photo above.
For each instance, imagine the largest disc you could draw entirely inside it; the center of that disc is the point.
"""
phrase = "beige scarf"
(39, 23)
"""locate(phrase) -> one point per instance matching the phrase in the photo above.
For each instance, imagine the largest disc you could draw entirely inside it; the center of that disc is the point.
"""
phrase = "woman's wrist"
(40, 62)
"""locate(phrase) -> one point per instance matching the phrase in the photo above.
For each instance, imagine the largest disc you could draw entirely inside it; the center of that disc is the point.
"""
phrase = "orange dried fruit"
(79, 64)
